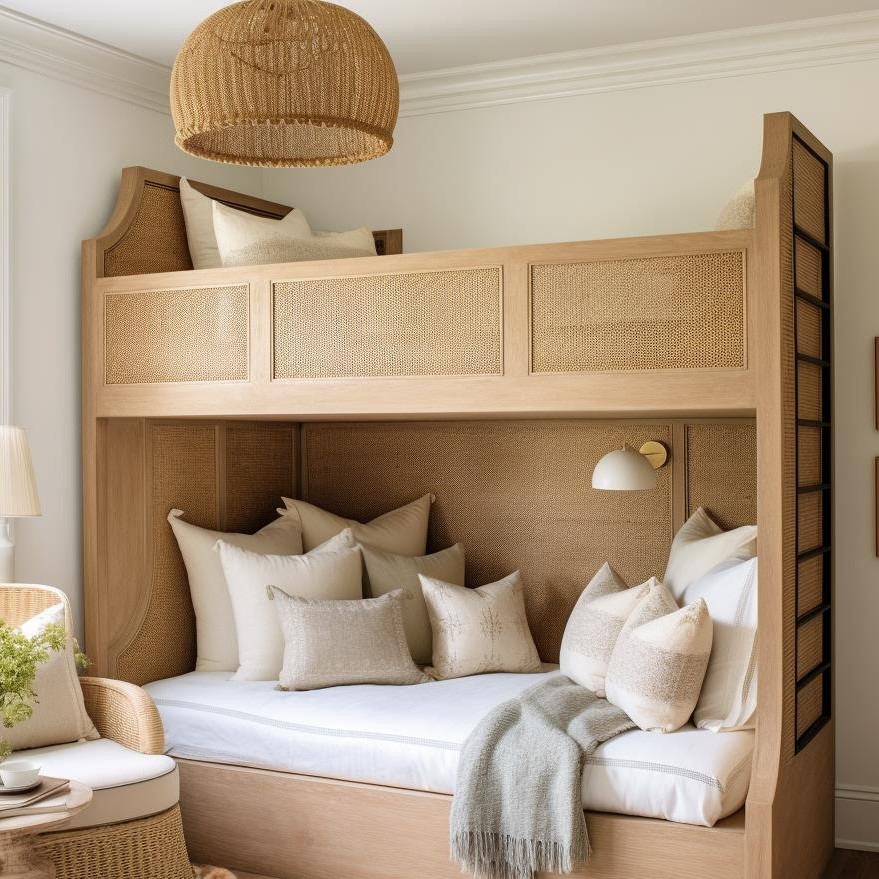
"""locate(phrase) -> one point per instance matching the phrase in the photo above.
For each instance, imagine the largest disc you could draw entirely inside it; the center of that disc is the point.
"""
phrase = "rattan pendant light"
(284, 83)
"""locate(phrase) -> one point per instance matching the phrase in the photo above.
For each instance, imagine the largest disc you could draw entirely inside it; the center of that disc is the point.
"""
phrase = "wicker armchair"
(151, 847)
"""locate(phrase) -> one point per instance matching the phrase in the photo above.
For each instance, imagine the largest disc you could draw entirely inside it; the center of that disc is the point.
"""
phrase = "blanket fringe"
(496, 856)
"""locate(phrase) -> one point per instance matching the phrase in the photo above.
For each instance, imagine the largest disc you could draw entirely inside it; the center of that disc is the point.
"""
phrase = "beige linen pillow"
(740, 211)
(333, 571)
(479, 630)
(336, 643)
(198, 215)
(217, 642)
(388, 571)
(403, 531)
(700, 545)
(594, 626)
(59, 714)
(359, 239)
(657, 666)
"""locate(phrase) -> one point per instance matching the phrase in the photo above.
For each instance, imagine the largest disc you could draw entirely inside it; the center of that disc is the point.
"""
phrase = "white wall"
(658, 160)
(68, 146)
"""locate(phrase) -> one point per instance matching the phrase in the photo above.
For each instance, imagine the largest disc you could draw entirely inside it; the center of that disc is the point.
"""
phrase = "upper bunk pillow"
(388, 571)
(198, 215)
(403, 531)
(740, 211)
(701, 545)
(217, 643)
(729, 693)
(247, 240)
(482, 630)
(332, 571)
(359, 239)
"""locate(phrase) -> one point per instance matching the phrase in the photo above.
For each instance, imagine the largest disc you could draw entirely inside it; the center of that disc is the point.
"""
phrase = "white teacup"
(18, 773)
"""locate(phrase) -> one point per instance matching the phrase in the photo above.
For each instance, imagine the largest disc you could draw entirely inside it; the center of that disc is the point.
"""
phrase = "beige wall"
(656, 160)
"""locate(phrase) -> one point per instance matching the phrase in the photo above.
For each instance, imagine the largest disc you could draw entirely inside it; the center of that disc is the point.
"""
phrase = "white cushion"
(125, 784)
(403, 531)
(701, 545)
(729, 693)
(359, 239)
(199, 219)
(388, 571)
(59, 713)
(740, 211)
(331, 571)
(216, 639)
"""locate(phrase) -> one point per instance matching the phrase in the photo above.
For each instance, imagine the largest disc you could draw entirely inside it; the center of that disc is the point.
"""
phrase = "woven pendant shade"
(284, 83)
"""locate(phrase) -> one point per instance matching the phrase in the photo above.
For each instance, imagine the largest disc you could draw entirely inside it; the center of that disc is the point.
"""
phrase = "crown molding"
(50, 51)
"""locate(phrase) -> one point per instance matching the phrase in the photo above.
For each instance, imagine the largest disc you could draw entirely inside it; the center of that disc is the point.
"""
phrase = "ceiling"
(427, 35)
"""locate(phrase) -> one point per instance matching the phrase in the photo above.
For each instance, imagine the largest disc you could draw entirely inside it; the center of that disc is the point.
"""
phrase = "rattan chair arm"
(125, 713)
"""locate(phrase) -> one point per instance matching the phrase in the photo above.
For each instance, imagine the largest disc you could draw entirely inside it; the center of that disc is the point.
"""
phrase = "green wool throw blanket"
(518, 806)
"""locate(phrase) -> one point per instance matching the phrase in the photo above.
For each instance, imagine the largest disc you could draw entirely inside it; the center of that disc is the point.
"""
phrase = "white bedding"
(409, 737)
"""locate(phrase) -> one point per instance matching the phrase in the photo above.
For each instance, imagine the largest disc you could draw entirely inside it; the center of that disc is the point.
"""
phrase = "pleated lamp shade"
(284, 83)
(18, 485)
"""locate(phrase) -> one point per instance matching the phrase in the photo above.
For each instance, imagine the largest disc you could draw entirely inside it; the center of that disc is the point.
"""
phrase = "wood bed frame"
(358, 384)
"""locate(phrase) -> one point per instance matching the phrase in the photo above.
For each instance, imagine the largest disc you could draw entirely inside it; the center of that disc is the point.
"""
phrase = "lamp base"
(7, 552)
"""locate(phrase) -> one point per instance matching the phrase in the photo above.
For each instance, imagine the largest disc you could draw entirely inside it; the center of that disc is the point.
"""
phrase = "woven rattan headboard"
(516, 494)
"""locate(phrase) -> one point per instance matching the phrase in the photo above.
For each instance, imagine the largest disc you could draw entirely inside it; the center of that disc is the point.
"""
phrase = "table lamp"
(18, 492)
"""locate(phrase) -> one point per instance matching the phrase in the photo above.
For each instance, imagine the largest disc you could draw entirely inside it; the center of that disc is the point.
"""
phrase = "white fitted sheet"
(409, 737)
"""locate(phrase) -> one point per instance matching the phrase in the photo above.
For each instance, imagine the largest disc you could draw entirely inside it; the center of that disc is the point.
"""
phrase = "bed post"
(790, 804)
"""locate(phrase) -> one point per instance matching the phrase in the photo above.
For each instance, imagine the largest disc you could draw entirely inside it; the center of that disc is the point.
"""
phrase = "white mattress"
(410, 737)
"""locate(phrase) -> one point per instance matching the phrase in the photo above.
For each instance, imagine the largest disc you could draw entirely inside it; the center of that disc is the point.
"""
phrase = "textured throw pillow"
(247, 240)
(729, 693)
(594, 626)
(657, 666)
(403, 531)
(740, 211)
(334, 643)
(358, 239)
(217, 643)
(333, 571)
(59, 714)
(479, 630)
(701, 545)
(388, 571)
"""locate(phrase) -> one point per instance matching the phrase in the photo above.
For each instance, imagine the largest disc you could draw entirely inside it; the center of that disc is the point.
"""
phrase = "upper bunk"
(662, 325)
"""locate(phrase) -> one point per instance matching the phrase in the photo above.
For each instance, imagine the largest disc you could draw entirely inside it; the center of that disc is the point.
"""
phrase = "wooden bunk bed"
(357, 384)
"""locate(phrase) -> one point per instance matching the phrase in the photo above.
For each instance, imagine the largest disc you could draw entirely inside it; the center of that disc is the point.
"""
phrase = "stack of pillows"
(315, 600)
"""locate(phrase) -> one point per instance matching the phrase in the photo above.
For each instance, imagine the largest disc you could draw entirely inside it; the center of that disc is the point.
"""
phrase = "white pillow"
(403, 531)
(729, 693)
(740, 211)
(217, 643)
(701, 545)
(333, 571)
(198, 214)
(388, 572)
(482, 630)
(358, 239)
(59, 714)
(658, 664)
(594, 626)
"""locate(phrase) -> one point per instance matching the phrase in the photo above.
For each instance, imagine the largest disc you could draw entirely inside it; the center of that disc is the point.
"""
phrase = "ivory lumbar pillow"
(403, 531)
(217, 642)
(388, 571)
(479, 630)
(336, 643)
(657, 666)
(330, 572)
(358, 239)
(59, 714)
(594, 626)
(702, 544)
(729, 693)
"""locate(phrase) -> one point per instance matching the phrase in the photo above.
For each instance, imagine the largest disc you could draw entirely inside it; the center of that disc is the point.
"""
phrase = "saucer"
(19, 789)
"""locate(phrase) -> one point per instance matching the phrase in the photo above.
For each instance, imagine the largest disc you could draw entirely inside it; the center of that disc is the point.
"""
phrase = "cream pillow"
(729, 693)
(740, 211)
(701, 545)
(198, 215)
(594, 626)
(657, 666)
(479, 630)
(59, 714)
(333, 571)
(388, 571)
(403, 531)
(217, 643)
(359, 239)
(335, 643)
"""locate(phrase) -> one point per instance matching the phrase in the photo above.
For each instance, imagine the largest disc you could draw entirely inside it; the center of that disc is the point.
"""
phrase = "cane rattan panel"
(722, 472)
(810, 646)
(810, 405)
(193, 335)
(156, 239)
(671, 312)
(809, 192)
(809, 460)
(811, 584)
(408, 324)
(810, 705)
(810, 521)
(809, 278)
(809, 329)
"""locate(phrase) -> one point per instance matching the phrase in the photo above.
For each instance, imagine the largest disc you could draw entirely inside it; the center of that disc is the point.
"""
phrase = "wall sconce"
(627, 469)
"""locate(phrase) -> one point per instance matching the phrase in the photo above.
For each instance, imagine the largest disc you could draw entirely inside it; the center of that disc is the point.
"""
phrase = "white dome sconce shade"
(628, 469)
